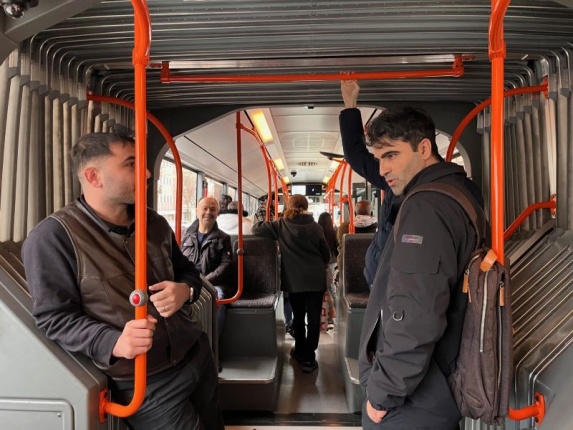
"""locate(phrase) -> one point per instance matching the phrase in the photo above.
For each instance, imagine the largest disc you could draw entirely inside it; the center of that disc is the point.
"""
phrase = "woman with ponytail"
(304, 255)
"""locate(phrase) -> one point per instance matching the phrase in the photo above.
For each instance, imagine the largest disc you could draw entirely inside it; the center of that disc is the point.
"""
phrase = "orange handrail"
(176, 158)
(142, 24)
(523, 216)
(470, 116)
(497, 57)
(267, 165)
(331, 190)
(537, 410)
(240, 252)
(456, 71)
(341, 198)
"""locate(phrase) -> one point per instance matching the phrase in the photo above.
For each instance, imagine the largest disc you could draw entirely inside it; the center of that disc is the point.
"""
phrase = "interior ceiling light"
(279, 164)
(262, 126)
(286, 179)
(17, 8)
(326, 179)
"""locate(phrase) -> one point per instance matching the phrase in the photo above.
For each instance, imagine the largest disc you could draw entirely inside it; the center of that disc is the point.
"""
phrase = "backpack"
(482, 376)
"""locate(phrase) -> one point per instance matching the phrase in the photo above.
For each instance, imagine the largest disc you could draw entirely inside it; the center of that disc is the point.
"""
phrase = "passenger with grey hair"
(229, 221)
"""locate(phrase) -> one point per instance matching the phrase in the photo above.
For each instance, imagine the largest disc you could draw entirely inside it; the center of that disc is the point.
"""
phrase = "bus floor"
(306, 400)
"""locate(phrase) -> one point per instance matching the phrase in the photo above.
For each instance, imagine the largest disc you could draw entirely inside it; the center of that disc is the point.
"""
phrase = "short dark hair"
(96, 145)
(402, 123)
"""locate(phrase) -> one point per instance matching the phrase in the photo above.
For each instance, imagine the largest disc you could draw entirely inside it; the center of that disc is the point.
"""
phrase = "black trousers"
(182, 398)
(307, 305)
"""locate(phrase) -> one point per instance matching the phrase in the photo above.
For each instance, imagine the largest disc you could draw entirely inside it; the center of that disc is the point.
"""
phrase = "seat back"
(354, 287)
(260, 272)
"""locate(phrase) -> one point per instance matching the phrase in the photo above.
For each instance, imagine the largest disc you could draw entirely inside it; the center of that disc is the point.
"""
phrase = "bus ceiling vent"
(17, 8)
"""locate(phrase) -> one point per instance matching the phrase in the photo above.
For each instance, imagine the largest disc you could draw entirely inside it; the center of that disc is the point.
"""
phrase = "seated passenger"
(209, 249)
(364, 222)
(229, 221)
(80, 270)
(224, 201)
(304, 255)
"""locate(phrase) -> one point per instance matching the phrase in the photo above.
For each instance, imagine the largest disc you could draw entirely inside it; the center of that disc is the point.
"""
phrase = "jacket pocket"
(414, 260)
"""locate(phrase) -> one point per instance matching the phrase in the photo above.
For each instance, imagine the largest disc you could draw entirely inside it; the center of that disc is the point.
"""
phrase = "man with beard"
(80, 271)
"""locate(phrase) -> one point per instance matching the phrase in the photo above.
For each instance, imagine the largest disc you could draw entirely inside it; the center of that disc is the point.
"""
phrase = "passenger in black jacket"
(304, 259)
(363, 163)
(210, 250)
(414, 317)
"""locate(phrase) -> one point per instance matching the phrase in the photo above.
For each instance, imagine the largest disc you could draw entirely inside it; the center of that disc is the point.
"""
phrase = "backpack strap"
(477, 218)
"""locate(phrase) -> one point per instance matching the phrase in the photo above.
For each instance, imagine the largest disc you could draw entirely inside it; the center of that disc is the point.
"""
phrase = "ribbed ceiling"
(290, 36)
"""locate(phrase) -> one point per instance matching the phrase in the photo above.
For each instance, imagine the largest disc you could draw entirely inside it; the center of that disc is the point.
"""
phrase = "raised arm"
(352, 133)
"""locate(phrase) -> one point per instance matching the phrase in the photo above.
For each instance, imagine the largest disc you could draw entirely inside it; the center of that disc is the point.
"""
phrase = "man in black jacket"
(363, 163)
(210, 250)
(414, 317)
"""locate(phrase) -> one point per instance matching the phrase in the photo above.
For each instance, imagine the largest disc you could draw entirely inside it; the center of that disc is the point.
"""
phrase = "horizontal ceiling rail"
(456, 71)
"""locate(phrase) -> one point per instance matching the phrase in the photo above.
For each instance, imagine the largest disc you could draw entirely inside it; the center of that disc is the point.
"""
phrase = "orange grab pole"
(142, 44)
(456, 71)
(240, 251)
(331, 192)
(285, 191)
(537, 410)
(470, 116)
(276, 188)
(350, 202)
(341, 198)
(523, 216)
(265, 157)
(497, 56)
(176, 158)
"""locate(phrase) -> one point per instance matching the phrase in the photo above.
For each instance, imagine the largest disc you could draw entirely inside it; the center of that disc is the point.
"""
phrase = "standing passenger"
(366, 165)
(304, 255)
(80, 270)
(325, 221)
(413, 321)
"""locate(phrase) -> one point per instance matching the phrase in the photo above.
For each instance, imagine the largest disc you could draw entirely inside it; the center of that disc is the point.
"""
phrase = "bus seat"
(350, 311)
(355, 290)
(249, 341)
(260, 273)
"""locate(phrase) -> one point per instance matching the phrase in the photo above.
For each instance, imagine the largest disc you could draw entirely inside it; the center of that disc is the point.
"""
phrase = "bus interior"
(220, 71)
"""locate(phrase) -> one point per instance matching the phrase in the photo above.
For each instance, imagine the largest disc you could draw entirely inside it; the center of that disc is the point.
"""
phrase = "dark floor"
(313, 399)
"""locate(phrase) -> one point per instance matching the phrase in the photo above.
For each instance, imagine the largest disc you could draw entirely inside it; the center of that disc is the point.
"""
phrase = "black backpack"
(483, 374)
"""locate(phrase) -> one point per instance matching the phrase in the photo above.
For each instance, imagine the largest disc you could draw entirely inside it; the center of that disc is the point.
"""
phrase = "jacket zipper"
(483, 312)
(499, 340)
(466, 283)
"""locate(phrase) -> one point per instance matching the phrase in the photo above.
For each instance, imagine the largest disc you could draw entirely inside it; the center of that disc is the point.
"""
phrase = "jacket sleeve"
(423, 267)
(185, 270)
(268, 229)
(324, 248)
(223, 271)
(355, 152)
(51, 272)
